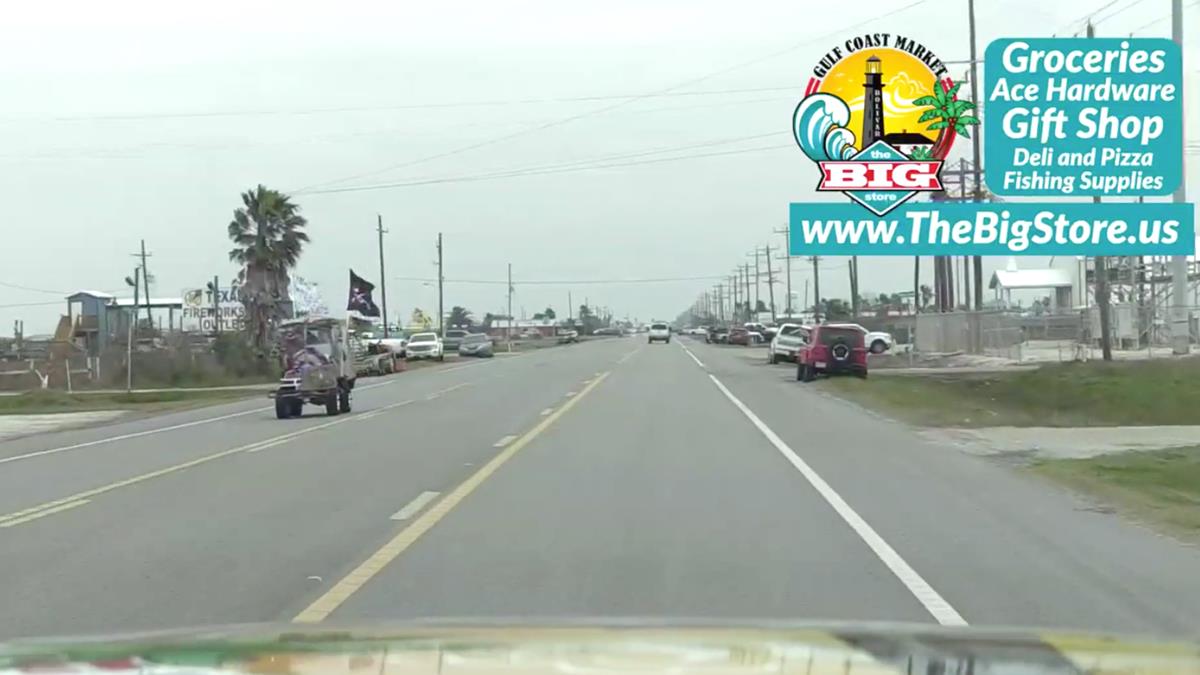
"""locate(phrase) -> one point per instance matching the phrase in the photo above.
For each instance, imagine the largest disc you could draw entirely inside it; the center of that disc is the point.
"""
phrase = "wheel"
(344, 402)
(441, 357)
(331, 404)
(771, 357)
(862, 375)
(878, 347)
(297, 406)
(282, 409)
(649, 341)
(805, 373)
(668, 341)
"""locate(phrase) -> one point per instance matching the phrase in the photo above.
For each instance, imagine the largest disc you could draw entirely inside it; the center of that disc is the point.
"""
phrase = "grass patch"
(42, 402)
(1130, 393)
(1160, 486)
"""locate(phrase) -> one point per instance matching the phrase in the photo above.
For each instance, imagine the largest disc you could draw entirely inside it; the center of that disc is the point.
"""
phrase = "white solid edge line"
(504, 441)
(689, 353)
(149, 432)
(921, 590)
(547, 411)
(415, 505)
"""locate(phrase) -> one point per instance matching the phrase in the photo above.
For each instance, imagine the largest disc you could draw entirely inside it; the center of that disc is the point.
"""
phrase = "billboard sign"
(199, 314)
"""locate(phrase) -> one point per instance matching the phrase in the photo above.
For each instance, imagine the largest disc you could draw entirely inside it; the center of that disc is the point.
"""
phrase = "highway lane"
(248, 536)
(1001, 546)
(689, 509)
(613, 478)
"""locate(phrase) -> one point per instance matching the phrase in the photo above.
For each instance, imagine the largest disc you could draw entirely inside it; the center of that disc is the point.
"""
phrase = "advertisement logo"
(878, 117)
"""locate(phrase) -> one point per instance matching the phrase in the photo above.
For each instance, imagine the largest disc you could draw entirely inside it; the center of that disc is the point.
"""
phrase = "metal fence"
(1135, 333)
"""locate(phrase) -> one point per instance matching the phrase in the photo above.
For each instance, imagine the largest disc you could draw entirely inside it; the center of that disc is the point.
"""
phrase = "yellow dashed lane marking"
(342, 590)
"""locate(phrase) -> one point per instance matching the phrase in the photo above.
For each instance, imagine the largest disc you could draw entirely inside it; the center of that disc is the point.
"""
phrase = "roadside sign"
(198, 314)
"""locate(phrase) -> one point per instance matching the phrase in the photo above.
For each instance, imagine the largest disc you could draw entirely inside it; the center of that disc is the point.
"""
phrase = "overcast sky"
(134, 119)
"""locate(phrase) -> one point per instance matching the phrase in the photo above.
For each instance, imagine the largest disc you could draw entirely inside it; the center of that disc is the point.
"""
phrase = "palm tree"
(951, 119)
(460, 317)
(268, 236)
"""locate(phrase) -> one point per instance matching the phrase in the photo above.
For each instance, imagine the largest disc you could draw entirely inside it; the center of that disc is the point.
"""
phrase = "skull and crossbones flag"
(360, 296)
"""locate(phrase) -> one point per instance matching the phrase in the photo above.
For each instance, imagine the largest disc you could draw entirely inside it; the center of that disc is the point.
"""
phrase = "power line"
(1119, 10)
(1092, 13)
(33, 304)
(399, 106)
(537, 172)
(575, 282)
(598, 111)
(1164, 17)
(30, 288)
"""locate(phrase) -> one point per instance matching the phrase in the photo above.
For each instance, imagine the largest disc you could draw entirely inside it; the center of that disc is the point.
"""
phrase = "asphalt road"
(606, 479)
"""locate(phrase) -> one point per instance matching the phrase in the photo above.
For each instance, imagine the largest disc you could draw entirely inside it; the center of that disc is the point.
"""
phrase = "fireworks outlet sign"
(1073, 117)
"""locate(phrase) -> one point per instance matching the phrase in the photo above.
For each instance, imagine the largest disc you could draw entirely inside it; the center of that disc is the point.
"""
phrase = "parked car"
(738, 336)
(832, 349)
(607, 331)
(717, 335)
(568, 335)
(396, 345)
(659, 331)
(425, 346)
(788, 340)
(453, 338)
(877, 341)
(475, 344)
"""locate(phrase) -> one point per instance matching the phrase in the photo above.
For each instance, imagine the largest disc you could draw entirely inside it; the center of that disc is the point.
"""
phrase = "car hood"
(628, 648)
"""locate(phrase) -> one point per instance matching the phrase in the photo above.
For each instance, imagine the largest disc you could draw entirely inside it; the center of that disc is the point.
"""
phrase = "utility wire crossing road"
(612, 478)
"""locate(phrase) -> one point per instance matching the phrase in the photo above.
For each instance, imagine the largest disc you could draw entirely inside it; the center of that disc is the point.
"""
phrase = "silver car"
(475, 344)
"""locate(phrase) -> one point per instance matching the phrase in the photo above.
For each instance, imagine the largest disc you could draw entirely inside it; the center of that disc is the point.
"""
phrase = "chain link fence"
(1135, 333)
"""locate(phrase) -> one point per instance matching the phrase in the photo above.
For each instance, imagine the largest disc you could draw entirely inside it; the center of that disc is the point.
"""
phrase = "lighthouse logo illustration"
(878, 117)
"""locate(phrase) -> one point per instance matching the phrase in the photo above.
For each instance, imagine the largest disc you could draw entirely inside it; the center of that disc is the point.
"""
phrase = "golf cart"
(318, 366)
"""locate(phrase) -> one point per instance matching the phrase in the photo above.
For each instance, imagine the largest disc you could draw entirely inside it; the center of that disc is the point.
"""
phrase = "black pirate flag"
(360, 296)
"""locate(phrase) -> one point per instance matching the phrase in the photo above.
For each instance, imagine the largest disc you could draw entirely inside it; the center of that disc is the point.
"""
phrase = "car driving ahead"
(659, 331)
(475, 344)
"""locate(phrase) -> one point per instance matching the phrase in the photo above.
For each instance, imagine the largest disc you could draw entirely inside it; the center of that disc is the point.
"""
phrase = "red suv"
(738, 336)
(832, 349)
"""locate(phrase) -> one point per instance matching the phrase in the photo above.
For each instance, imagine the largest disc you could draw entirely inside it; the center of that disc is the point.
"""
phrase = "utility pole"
(508, 333)
(975, 146)
(737, 297)
(745, 268)
(441, 281)
(1180, 330)
(854, 285)
(770, 282)
(382, 275)
(757, 285)
(132, 318)
(787, 255)
(816, 290)
(916, 284)
(570, 307)
(215, 293)
(145, 282)
(1103, 297)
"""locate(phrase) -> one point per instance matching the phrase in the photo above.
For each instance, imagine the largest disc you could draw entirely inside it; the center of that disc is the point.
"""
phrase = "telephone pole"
(1103, 297)
(756, 277)
(734, 282)
(854, 285)
(441, 281)
(770, 281)
(1180, 332)
(816, 289)
(145, 282)
(382, 275)
(508, 334)
(787, 256)
(746, 268)
(978, 261)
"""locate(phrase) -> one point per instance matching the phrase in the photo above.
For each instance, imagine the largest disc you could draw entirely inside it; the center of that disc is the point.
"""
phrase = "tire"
(344, 402)
(770, 357)
(441, 357)
(878, 347)
(297, 406)
(668, 341)
(283, 409)
(649, 341)
(862, 375)
(331, 404)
